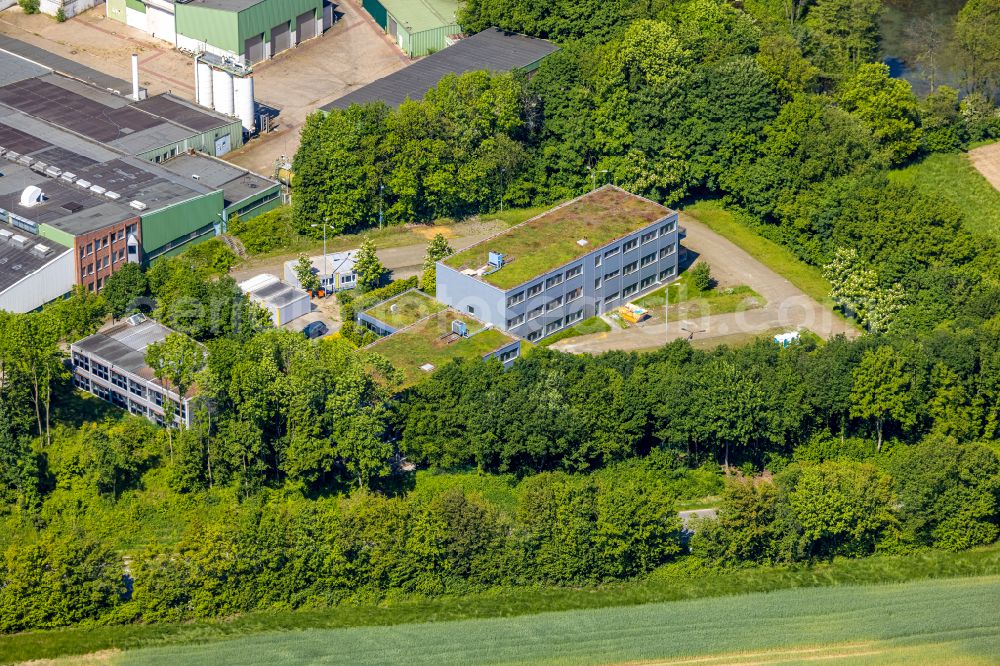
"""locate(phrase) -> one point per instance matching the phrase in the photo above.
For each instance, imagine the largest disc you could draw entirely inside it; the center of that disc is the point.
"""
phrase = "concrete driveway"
(353, 53)
(787, 307)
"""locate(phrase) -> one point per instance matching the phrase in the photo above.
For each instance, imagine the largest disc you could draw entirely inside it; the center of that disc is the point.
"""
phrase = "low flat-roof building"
(398, 312)
(33, 271)
(283, 301)
(335, 271)
(577, 260)
(432, 341)
(111, 364)
(492, 49)
(109, 178)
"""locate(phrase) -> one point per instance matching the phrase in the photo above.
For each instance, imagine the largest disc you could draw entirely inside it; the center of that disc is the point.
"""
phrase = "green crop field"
(727, 591)
(940, 621)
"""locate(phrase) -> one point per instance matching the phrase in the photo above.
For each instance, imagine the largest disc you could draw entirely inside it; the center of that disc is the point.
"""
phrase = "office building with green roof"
(583, 258)
(419, 27)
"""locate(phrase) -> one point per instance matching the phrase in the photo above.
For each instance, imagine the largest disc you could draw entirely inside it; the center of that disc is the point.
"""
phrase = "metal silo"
(222, 92)
(243, 93)
(203, 81)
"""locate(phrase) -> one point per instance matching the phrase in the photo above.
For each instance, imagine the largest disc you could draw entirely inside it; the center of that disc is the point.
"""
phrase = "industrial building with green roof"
(247, 31)
(419, 27)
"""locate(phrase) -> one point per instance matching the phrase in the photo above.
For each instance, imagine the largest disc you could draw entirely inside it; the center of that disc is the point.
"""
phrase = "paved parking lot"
(352, 53)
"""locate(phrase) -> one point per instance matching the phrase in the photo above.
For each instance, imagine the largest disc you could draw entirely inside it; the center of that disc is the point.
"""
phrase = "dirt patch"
(101, 658)
(797, 655)
(986, 159)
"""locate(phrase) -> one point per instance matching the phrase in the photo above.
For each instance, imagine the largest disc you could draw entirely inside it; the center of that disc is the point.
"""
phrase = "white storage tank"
(243, 93)
(222, 92)
(204, 80)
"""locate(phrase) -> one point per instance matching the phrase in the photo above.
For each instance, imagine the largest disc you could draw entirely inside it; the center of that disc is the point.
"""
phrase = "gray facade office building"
(604, 275)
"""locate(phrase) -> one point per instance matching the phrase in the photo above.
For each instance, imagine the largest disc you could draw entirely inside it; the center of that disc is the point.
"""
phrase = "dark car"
(316, 329)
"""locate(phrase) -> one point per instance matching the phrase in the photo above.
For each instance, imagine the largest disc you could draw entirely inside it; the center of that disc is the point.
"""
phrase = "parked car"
(316, 329)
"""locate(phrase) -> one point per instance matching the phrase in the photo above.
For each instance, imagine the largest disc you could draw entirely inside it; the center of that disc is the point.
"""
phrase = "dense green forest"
(298, 488)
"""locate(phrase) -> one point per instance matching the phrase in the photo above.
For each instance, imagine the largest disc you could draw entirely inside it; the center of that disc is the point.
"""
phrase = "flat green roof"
(551, 239)
(430, 342)
(404, 309)
(420, 15)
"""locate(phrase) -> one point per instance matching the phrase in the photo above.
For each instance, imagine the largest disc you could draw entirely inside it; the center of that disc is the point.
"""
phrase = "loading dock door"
(281, 38)
(305, 26)
(253, 49)
(327, 15)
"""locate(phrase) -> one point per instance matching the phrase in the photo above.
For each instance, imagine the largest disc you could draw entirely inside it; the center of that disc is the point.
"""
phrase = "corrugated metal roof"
(492, 49)
(420, 15)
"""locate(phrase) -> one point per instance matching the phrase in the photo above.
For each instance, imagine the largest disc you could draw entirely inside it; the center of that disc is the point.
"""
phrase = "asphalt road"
(787, 306)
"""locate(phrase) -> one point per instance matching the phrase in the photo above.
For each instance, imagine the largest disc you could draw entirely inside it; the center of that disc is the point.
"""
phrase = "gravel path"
(787, 306)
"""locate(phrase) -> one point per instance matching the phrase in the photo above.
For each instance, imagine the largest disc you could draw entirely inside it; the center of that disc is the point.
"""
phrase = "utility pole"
(380, 188)
(502, 172)
(593, 177)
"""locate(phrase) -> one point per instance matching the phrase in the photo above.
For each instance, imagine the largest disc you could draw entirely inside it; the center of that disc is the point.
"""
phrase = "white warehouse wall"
(51, 281)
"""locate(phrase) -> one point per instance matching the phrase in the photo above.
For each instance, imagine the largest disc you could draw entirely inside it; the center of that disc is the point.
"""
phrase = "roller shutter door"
(253, 49)
(281, 38)
(305, 26)
(327, 15)
(160, 24)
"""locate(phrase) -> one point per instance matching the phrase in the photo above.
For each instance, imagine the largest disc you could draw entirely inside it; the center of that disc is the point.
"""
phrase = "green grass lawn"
(776, 257)
(405, 309)
(687, 301)
(551, 240)
(950, 176)
(429, 341)
(670, 583)
(916, 622)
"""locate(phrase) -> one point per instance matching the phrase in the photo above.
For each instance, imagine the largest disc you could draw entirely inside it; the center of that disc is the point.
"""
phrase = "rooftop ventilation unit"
(496, 259)
(5, 235)
(68, 176)
(41, 250)
(31, 196)
(112, 195)
(459, 328)
(20, 241)
(53, 172)
(97, 189)
(83, 183)
(26, 160)
(582, 242)
(40, 167)
(138, 205)
(12, 156)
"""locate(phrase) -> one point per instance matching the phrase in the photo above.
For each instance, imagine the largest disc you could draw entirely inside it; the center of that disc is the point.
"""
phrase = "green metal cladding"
(426, 42)
(377, 11)
(230, 30)
(136, 5)
(173, 223)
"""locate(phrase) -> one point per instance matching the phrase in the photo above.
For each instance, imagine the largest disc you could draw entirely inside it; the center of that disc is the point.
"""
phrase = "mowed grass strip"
(670, 583)
(945, 618)
(776, 257)
(953, 178)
